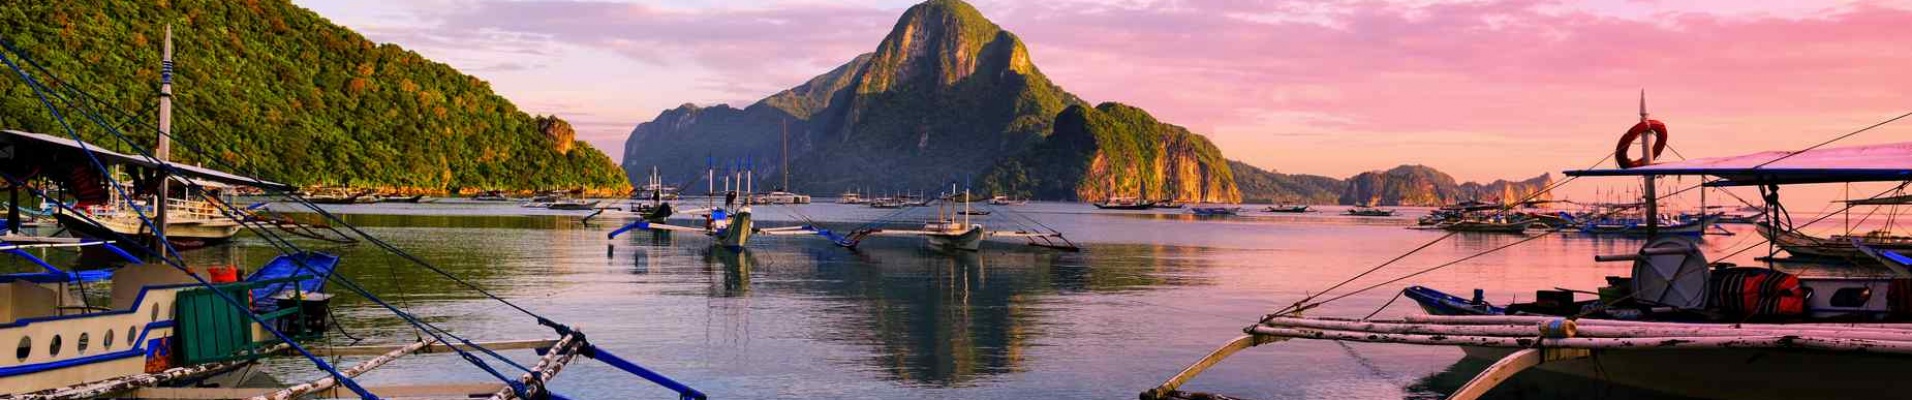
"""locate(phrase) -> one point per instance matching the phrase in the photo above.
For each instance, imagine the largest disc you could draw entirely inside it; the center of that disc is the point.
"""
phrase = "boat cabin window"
(85, 338)
(53, 349)
(1851, 297)
(108, 341)
(131, 335)
(26, 348)
(154, 313)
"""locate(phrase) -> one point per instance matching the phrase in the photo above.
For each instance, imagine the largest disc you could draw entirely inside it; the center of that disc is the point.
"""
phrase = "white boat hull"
(970, 240)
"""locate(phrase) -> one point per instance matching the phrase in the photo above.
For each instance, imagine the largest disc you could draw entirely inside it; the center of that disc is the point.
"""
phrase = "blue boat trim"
(1440, 303)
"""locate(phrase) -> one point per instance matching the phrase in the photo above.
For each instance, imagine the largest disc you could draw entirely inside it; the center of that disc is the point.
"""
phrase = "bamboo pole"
(547, 368)
(1656, 343)
(328, 382)
(1589, 330)
(1532, 319)
(1233, 346)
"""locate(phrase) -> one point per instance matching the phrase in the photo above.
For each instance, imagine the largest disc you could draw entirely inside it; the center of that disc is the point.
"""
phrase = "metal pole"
(1652, 200)
(164, 150)
(13, 209)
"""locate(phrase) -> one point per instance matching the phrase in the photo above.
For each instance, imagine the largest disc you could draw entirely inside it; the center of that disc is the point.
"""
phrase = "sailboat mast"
(164, 150)
(786, 156)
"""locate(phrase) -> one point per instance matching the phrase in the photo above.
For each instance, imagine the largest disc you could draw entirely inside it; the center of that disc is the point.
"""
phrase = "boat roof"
(1868, 163)
(44, 142)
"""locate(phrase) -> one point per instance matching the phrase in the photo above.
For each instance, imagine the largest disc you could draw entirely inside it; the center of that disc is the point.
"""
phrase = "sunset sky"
(1479, 89)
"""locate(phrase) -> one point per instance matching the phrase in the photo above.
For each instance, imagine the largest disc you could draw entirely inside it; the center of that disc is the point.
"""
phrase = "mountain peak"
(940, 42)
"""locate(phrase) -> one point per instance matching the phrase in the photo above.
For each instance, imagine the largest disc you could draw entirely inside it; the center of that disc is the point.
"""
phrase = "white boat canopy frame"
(1869, 163)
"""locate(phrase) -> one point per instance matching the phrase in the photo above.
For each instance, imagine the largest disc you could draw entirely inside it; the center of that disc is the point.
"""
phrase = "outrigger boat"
(951, 230)
(1370, 212)
(1295, 209)
(1215, 211)
(1006, 201)
(1680, 323)
(730, 224)
(1124, 203)
(101, 209)
(180, 332)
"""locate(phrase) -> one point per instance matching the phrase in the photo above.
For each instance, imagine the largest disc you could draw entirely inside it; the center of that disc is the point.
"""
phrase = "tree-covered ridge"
(1417, 185)
(1263, 186)
(1115, 150)
(275, 90)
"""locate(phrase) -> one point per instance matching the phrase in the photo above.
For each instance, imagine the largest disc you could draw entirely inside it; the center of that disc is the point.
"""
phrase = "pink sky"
(1480, 89)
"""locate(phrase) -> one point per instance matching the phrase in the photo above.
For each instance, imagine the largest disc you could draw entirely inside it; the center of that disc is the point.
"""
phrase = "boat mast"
(786, 155)
(1646, 145)
(164, 150)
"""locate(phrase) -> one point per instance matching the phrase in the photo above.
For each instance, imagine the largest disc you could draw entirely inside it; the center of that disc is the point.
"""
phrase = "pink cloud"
(1330, 87)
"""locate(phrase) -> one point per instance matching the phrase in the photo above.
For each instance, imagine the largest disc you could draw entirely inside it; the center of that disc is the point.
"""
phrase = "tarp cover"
(1880, 162)
(17, 144)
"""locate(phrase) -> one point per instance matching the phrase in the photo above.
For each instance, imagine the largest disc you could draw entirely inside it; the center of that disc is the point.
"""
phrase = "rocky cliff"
(1415, 185)
(1114, 150)
(946, 96)
(1263, 186)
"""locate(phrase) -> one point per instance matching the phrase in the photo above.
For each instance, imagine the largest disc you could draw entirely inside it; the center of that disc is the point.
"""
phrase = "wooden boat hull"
(970, 240)
(1105, 206)
(117, 344)
(1734, 373)
(182, 235)
(737, 234)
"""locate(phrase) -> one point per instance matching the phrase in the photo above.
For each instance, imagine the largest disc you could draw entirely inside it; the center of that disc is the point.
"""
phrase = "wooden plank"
(1168, 389)
(373, 350)
(453, 390)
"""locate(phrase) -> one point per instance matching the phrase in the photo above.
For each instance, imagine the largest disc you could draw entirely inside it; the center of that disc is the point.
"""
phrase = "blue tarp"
(316, 265)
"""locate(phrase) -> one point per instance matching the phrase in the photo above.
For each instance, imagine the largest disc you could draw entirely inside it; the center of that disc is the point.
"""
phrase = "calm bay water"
(799, 317)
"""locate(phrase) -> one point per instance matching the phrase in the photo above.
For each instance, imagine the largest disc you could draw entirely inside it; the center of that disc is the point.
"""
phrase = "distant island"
(1406, 185)
(272, 89)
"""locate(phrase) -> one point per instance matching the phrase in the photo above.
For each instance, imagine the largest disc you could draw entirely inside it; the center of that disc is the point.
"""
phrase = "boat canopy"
(1870, 163)
(18, 144)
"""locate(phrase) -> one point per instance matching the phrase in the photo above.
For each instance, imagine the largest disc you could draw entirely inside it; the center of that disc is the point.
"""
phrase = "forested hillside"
(275, 90)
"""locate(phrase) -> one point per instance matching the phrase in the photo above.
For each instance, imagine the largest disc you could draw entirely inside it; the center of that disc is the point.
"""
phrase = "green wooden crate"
(210, 329)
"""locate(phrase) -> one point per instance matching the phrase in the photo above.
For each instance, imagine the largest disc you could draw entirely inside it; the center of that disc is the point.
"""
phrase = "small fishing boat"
(1006, 201)
(1500, 226)
(1124, 203)
(573, 205)
(1836, 247)
(974, 212)
(1287, 209)
(402, 199)
(1166, 204)
(780, 197)
(850, 198)
(1636, 227)
(951, 230)
(491, 195)
(1215, 211)
(1370, 212)
(338, 195)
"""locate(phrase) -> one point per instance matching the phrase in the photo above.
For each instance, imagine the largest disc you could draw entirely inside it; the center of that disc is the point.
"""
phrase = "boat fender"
(1558, 328)
(1626, 142)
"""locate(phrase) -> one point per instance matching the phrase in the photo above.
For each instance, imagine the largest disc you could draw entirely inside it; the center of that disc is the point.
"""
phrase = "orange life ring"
(1626, 142)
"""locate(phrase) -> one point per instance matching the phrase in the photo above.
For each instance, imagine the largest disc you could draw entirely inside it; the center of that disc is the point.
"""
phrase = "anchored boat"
(1676, 313)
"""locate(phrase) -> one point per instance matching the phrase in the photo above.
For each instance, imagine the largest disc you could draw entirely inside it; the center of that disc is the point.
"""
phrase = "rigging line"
(229, 211)
(381, 243)
(1835, 139)
(91, 113)
(1297, 305)
(1461, 260)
